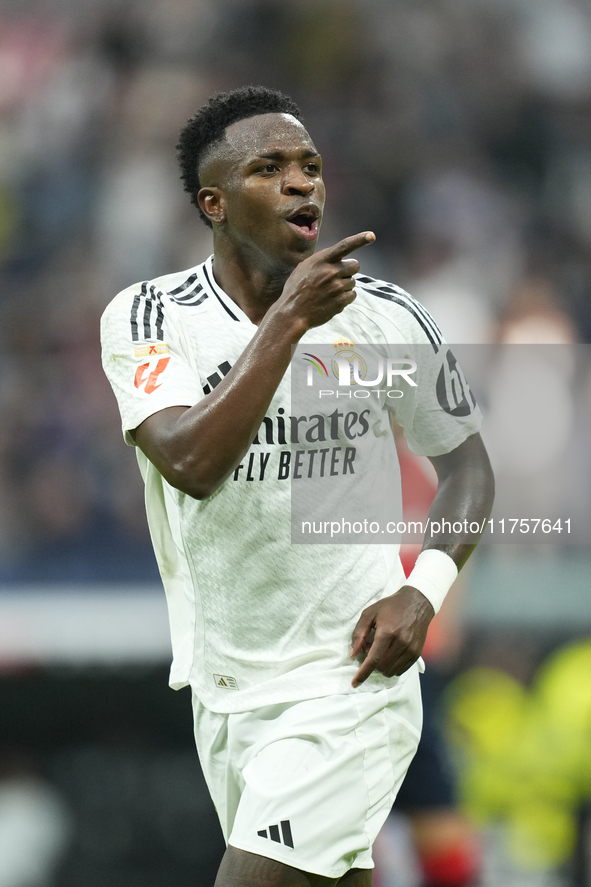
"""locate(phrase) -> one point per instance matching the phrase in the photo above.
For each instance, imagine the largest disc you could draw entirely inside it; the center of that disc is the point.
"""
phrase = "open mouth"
(305, 222)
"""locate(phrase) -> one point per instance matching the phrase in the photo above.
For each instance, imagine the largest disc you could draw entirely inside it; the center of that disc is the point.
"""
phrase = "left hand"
(399, 626)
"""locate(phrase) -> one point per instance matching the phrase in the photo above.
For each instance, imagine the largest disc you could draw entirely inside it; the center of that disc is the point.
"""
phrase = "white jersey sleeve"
(145, 357)
(439, 412)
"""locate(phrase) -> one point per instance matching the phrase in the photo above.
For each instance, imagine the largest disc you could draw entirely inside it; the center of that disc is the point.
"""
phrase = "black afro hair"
(209, 124)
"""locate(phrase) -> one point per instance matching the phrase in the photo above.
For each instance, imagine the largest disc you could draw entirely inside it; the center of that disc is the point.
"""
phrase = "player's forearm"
(202, 445)
(400, 621)
(464, 496)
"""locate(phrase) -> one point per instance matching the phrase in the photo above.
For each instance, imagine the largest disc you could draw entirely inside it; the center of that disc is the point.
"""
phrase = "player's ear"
(212, 205)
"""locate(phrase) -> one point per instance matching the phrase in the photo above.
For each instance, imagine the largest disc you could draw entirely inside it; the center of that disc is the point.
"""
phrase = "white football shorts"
(311, 783)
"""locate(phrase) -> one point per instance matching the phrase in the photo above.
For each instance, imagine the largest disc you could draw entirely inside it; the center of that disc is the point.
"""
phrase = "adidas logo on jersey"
(215, 378)
(274, 833)
(225, 682)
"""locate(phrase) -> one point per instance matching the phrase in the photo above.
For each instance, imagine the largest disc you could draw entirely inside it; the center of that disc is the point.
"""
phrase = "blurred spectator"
(534, 316)
(35, 826)
(525, 756)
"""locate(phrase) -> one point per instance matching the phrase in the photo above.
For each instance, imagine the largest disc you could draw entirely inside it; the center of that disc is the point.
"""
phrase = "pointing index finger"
(348, 244)
(371, 662)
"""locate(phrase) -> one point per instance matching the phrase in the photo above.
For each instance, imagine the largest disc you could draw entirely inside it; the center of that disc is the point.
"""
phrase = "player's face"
(272, 192)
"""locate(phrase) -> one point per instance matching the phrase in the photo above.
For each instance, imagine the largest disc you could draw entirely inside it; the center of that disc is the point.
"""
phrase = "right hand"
(322, 285)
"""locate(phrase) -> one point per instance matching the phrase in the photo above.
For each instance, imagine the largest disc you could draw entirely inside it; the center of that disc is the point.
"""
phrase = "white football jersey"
(255, 619)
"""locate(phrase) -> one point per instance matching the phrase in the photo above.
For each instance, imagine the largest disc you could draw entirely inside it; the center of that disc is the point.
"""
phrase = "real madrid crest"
(344, 350)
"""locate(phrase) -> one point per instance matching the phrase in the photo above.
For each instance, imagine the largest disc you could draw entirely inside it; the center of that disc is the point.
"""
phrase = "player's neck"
(250, 281)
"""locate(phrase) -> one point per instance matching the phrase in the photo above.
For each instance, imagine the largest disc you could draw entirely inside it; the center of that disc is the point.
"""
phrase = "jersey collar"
(231, 309)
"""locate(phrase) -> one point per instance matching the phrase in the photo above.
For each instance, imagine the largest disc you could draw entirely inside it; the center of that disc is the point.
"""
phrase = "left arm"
(399, 622)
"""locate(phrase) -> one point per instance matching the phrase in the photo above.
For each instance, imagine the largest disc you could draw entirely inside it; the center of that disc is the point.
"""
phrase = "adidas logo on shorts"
(274, 833)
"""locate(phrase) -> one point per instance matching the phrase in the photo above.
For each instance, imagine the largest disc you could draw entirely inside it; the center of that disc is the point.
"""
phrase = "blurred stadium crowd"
(458, 130)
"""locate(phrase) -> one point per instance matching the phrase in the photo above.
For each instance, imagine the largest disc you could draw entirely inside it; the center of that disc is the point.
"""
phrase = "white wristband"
(433, 575)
